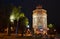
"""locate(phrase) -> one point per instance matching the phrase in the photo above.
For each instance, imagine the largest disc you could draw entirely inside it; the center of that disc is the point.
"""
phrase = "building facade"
(39, 20)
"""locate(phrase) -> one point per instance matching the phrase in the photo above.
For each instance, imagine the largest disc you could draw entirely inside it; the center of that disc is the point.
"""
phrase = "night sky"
(52, 7)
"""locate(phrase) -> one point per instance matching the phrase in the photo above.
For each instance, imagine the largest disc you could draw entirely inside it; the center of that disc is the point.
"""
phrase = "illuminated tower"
(39, 20)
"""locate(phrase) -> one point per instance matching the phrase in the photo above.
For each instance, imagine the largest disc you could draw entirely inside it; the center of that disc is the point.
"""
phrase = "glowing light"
(28, 26)
(54, 29)
(47, 28)
(41, 29)
(44, 32)
(12, 18)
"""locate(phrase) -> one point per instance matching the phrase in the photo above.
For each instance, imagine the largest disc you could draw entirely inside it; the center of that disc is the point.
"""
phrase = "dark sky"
(52, 7)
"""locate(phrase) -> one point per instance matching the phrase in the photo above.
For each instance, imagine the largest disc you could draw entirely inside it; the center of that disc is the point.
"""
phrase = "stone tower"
(39, 18)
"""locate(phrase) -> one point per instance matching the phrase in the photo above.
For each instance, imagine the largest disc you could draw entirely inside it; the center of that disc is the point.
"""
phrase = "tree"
(22, 23)
(22, 20)
(14, 16)
(51, 28)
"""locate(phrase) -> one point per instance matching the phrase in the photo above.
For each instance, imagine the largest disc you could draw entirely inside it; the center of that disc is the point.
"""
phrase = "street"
(14, 36)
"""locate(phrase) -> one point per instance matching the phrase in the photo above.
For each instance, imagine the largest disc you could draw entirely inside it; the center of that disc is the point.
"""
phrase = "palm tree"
(22, 20)
(13, 16)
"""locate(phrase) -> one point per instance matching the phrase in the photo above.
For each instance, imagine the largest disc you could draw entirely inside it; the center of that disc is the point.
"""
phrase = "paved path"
(13, 36)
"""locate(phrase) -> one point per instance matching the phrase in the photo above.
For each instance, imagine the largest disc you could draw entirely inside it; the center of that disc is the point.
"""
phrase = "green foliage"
(17, 15)
(50, 26)
(24, 21)
(21, 15)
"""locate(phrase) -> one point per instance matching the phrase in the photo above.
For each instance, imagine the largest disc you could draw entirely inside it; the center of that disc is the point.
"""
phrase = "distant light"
(47, 28)
(41, 29)
(44, 32)
(54, 29)
(28, 26)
